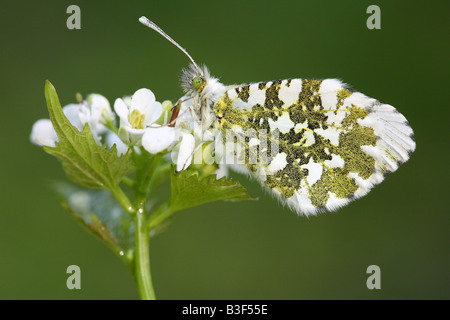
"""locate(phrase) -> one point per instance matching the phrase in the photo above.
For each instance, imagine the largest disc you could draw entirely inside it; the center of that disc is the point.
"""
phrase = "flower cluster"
(94, 111)
(141, 122)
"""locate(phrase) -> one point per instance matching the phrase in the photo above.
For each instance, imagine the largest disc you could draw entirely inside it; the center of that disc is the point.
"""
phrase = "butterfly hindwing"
(332, 144)
(316, 144)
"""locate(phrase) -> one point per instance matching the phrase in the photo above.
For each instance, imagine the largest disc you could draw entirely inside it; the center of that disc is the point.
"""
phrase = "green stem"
(128, 181)
(123, 199)
(149, 174)
(110, 125)
(160, 174)
(159, 215)
(142, 257)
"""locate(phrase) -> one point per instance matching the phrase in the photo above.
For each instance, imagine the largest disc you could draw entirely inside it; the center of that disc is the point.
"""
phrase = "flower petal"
(130, 135)
(113, 139)
(142, 99)
(83, 115)
(127, 100)
(158, 139)
(124, 135)
(122, 111)
(43, 134)
(72, 112)
(153, 113)
(186, 151)
(100, 108)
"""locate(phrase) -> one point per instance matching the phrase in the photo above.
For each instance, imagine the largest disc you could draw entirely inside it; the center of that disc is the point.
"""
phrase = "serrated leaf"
(85, 162)
(98, 211)
(188, 190)
(102, 231)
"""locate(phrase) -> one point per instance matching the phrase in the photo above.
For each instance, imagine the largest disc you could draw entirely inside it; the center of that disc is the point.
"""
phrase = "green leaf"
(102, 231)
(99, 212)
(188, 190)
(85, 162)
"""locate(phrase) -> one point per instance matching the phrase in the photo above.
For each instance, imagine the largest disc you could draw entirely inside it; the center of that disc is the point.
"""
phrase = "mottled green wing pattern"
(332, 144)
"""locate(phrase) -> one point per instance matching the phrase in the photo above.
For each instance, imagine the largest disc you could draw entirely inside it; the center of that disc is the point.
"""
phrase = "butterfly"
(315, 144)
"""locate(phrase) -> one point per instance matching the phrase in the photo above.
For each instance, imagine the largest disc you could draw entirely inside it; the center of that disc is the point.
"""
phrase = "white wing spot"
(299, 126)
(256, 96)
(278, 163)
(307, 139)
(335, 162)
(289, 95)
(314, 171)
(328, 93)
(335, 119)
(283, 123)
(232, 94)
(330, 134)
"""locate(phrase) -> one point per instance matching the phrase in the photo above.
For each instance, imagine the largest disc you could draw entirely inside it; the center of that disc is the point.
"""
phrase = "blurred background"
(253, 250)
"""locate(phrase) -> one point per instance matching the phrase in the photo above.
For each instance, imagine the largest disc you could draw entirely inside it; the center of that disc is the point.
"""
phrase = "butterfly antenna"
(146, 22)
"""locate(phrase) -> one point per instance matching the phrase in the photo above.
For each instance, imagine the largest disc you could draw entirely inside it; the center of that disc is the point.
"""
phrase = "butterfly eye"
(198, 84)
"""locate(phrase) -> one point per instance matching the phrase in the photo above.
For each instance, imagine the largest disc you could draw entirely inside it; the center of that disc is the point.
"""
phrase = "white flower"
(186, 151)
(183, 151)
(97, 113)
(185, 124)
(113, 139)
(159, 138)
(100, 108)
(43, 133)
(142, 112)
(72, 112)
(192, 134)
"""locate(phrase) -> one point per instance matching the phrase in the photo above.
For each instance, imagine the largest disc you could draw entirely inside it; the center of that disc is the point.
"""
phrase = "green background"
(252, 250)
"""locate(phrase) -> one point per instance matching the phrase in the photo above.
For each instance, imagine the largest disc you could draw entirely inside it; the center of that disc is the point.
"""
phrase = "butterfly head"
(194, 79)
(197, 81)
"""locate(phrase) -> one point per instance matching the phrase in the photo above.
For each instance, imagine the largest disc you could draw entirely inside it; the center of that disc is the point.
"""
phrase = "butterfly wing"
(332, 144)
